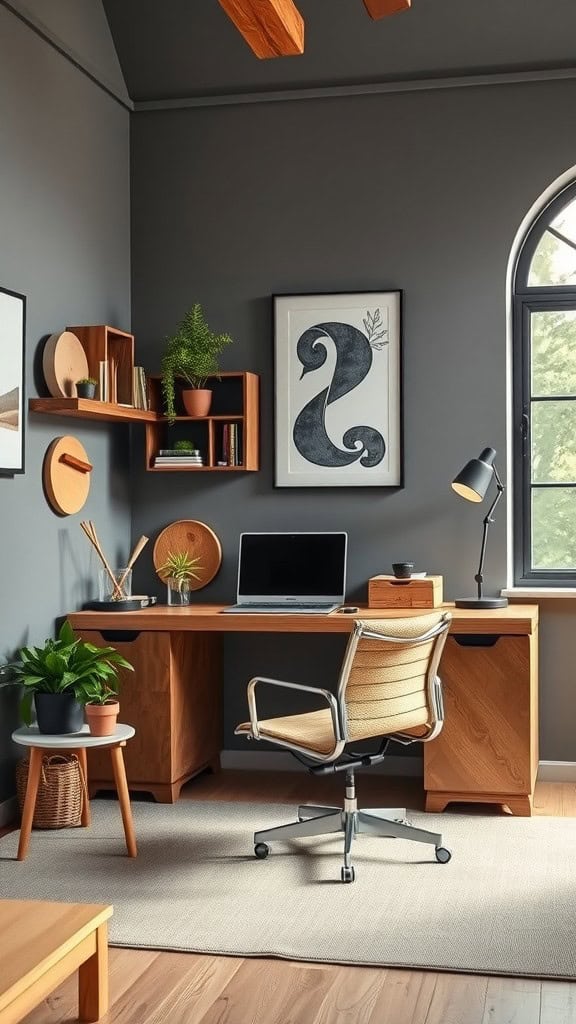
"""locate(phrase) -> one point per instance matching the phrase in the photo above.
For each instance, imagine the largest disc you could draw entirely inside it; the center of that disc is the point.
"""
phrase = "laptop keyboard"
(281, 609)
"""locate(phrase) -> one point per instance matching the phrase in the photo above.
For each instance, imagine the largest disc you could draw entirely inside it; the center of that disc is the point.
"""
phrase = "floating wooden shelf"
(90, 409)
(235, 399)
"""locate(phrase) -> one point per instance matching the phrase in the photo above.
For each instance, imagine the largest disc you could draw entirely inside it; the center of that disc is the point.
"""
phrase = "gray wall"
(422, 192)
(64, 243)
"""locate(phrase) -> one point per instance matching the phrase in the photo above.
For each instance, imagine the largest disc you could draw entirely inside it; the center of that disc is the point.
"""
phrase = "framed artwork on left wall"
(12, 369)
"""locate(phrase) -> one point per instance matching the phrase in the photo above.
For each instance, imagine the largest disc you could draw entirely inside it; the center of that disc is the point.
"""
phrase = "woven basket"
(61, 791)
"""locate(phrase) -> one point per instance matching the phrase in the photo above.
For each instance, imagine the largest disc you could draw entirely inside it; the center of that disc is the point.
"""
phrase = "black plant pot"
(58, 713)
(86, 390)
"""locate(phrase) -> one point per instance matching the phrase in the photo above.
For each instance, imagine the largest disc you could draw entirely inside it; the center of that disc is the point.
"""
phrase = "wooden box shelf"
(102, 343)
(235, 399)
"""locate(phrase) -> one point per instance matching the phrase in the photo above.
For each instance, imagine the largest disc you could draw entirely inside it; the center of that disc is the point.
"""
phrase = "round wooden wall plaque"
(63, 362)
(198, 540)
(66, 475)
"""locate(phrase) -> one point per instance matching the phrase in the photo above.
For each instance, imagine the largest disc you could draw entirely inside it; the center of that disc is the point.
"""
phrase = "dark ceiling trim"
(26, 16)
(328, 92)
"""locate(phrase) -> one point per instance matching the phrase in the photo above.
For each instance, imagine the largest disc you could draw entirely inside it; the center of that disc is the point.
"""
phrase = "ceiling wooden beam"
(381, 8)
(272, 28)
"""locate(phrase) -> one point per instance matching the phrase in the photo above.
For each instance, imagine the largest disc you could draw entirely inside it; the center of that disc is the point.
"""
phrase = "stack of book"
(139, 388)
(177, 457)
(231, 448)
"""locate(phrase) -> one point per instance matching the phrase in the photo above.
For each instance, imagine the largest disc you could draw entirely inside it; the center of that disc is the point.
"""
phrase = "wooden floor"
(184, 988)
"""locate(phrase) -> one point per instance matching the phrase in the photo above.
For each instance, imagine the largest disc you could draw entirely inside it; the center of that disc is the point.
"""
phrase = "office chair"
(389, 689)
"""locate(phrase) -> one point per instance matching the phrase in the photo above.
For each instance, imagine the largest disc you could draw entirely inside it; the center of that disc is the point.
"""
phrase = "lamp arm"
(488, 518)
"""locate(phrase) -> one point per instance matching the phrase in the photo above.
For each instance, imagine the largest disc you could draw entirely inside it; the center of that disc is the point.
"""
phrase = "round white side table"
(78, 743)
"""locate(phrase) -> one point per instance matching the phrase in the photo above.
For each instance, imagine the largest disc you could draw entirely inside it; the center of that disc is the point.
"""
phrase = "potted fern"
(56, 676)
(191, 355)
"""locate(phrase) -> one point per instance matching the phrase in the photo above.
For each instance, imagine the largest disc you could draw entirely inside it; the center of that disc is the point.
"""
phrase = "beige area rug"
(505, 904)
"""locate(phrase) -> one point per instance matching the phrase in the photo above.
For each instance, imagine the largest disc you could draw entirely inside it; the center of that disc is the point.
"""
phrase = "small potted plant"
(191, 355)
(100, 700)
(177, 571)
(53, 675)
(86, 387)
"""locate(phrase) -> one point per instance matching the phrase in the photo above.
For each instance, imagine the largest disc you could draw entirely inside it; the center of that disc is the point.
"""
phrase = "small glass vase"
(179, 593)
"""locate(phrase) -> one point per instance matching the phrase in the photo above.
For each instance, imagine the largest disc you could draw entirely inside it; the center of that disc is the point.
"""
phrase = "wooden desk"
(487, 751)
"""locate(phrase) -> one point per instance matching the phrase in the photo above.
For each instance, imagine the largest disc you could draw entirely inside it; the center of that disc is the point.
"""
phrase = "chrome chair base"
(387, 822)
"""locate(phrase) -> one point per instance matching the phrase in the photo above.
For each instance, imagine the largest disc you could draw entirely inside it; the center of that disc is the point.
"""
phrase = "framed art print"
(12, 328)
(338, 390)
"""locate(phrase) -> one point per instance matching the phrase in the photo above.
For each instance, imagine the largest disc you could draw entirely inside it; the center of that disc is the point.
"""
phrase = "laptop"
(299, 573)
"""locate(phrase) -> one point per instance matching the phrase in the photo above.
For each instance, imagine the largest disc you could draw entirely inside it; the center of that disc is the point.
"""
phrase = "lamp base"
(481, 602)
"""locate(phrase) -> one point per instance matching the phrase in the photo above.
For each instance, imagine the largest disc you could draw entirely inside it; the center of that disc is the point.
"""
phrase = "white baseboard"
(8, 811)
(557, 771)
(278, 761)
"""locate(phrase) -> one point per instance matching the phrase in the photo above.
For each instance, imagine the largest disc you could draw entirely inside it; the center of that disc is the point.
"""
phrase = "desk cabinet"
(487, 751)
(173, 700)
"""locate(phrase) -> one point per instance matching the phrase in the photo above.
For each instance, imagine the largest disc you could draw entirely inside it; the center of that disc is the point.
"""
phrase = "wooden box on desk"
(388, 592)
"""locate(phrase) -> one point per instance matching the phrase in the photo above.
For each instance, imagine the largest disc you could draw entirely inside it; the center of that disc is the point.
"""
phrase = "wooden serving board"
(198, 540)
(63, 362)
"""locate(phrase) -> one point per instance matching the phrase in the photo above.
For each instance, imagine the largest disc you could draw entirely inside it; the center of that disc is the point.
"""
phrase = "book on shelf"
(180, 453)
(231, 448)
(158, 461)
(178, 458)
(140, 389)
(103, 380)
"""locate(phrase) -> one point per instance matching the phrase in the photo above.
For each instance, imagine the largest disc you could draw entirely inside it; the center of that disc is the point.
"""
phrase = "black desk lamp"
(472, 483)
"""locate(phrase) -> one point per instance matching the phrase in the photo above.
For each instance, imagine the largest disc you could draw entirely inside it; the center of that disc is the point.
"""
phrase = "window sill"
(552, 592)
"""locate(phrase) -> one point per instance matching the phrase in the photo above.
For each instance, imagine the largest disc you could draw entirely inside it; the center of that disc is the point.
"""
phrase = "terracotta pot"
(197, 401)
(102, 718)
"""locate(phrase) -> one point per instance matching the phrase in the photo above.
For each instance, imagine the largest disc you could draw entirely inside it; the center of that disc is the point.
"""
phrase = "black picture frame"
(12, 381)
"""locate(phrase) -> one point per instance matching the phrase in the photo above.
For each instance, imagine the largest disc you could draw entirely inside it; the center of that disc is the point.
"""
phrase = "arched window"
(544, 399)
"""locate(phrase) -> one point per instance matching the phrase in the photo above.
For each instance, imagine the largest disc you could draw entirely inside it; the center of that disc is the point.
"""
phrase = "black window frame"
(526, 300)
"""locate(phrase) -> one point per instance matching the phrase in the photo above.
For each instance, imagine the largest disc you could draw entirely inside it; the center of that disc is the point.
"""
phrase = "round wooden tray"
(63, 362)
(198, 540)
(66, 485)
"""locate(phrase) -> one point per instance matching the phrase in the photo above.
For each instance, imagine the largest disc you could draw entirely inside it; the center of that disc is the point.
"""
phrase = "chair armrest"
(326, 694)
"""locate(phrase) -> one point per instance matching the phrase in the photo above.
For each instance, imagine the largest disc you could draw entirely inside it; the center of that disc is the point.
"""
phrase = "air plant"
(179, 569)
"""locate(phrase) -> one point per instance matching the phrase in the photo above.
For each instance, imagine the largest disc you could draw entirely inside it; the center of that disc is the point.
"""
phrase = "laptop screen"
(292, 567)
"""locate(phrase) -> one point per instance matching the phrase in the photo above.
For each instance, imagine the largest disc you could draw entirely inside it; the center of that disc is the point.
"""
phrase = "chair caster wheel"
(261, 850)
(347, 874)
(443, 855)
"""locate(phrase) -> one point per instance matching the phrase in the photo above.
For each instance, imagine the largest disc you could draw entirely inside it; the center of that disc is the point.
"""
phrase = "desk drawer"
(489, 740)
(174, 701)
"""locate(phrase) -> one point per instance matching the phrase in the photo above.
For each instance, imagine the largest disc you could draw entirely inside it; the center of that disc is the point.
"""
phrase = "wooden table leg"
(124, 797)
(86, 818)
(93, 980)
(34, 770)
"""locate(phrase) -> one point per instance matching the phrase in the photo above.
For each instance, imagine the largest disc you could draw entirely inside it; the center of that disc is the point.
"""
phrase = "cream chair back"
(388, 683)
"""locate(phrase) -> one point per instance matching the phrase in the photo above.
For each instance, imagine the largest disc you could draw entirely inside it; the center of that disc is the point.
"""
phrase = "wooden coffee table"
(46, 942)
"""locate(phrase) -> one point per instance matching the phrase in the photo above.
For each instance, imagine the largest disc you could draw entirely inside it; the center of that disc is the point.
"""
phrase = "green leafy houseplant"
(87, 380)
(179, 569)
(66, 665)
(191, 355)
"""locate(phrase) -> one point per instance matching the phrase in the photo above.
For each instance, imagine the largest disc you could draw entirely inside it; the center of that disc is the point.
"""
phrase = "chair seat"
(312, 730)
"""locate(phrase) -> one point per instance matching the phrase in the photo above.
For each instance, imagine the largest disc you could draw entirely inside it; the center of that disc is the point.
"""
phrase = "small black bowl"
(402, 570)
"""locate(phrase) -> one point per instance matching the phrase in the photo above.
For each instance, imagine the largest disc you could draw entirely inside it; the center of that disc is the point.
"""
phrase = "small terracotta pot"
(197, 401)
(102, 718)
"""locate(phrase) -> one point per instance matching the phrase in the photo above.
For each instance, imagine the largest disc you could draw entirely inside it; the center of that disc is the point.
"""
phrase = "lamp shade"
(472, 482)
